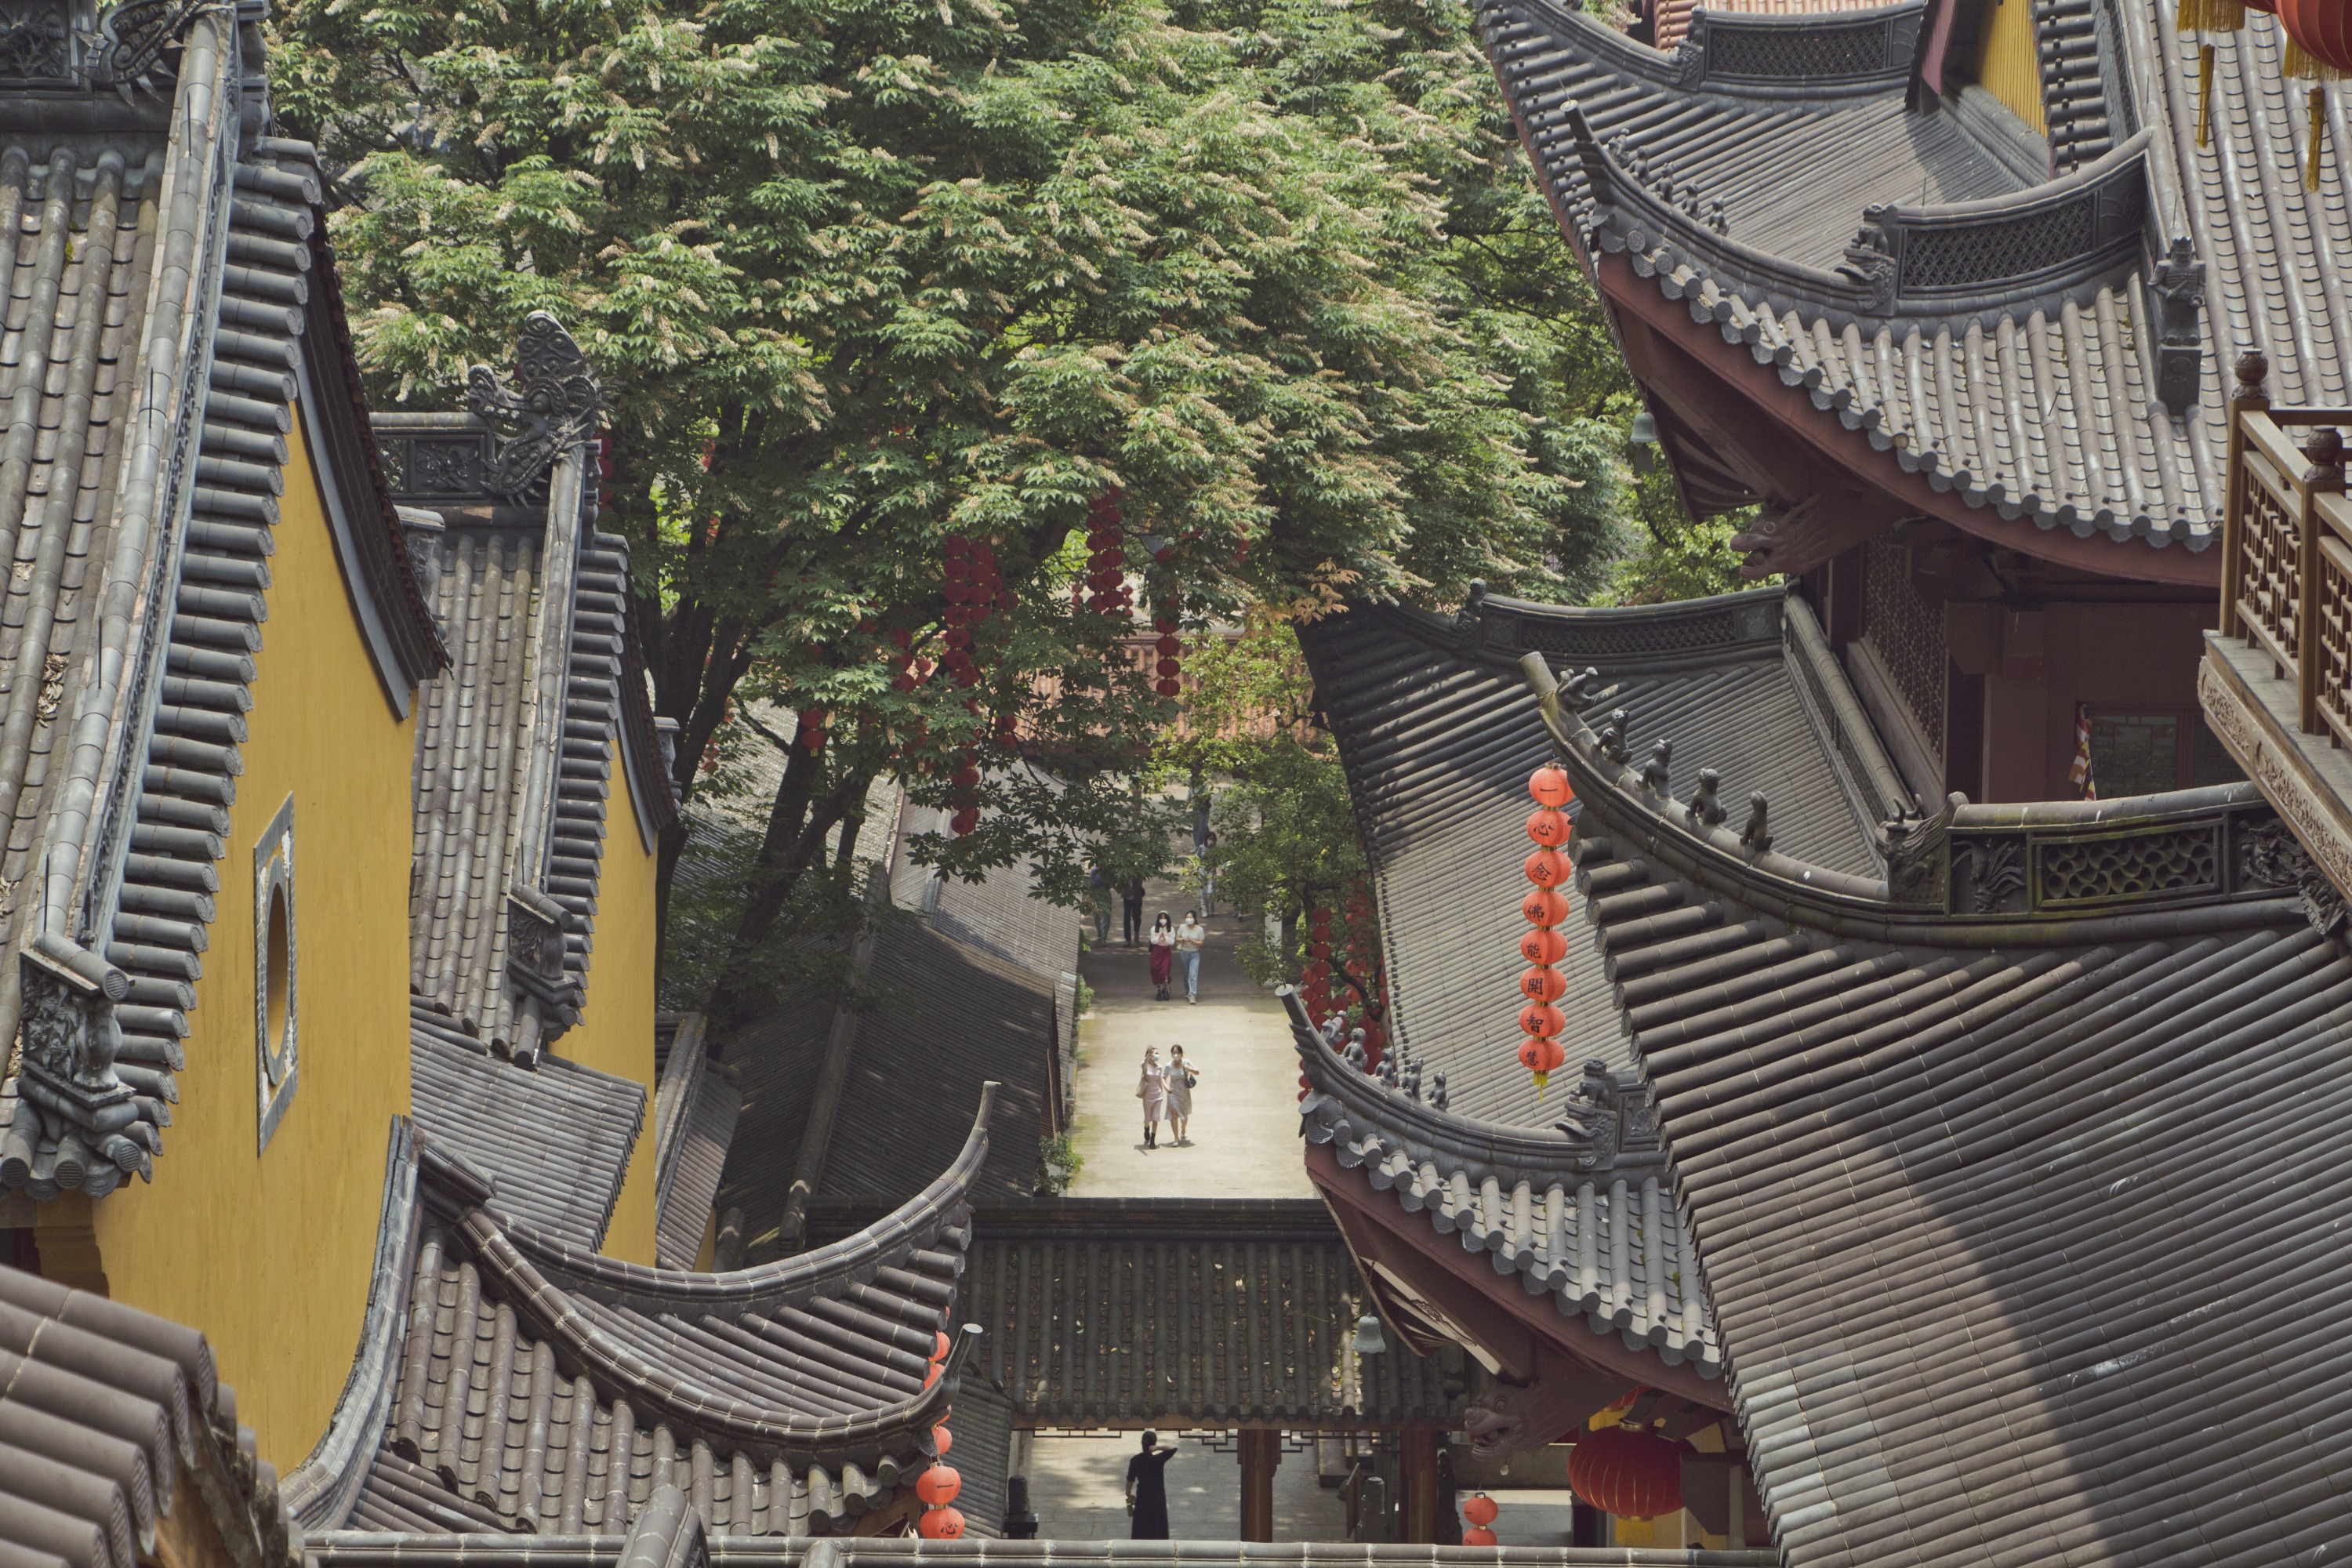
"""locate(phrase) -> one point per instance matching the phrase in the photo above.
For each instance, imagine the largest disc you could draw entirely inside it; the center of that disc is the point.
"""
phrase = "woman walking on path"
(1163, 955)
(1189, 937)
(1153, 1092)
(1181, 1077)
(1147, 1489)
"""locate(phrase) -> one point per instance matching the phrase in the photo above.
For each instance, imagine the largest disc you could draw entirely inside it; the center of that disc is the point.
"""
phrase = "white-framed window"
(276, 999)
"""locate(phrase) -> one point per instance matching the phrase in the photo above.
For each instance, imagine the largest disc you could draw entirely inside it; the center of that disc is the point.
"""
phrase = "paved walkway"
(1244, 1140)
(1078, 1488)
(1243, 1144)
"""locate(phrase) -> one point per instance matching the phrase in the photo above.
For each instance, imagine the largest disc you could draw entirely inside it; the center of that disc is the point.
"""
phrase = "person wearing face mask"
(1163, 955)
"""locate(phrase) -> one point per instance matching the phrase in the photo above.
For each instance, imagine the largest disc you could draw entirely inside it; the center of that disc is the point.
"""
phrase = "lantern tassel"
(2205, 96)
(2318, 138)
(2210, 16)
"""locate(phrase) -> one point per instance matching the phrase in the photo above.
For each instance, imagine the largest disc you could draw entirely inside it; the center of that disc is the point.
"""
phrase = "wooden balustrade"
(2287, 549)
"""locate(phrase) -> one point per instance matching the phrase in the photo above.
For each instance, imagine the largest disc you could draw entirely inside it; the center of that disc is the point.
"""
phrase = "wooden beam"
(1261, 1453)
(1420, 1499)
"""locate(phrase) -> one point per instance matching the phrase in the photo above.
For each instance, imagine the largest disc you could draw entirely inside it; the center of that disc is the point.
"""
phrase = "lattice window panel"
(1783, 52)
(1979, 253)
(2274, 570)
(2141, 865)
(1587, 641)
(1906, 633)
(2332, 643)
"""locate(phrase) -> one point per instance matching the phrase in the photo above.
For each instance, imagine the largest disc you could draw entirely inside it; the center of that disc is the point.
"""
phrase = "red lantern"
(1542, 983)
(940, 1350)
(1629, 1474)
(1546, 868)
(1548, 828)
(1478, 1535)
(964, 821)
(1543, 945)
(2321, 29)
(942, 1524)
(1548, 785)
(1481, 1509)
(942, 1440)
(1541, 1019)
(939, 1485)
(1544, 908)
(1539, 1056)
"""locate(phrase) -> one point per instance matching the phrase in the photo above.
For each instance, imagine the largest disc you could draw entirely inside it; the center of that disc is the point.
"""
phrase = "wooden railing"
(2286, 548)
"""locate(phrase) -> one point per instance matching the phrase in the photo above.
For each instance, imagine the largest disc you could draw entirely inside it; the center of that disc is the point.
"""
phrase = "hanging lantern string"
(1542, 986)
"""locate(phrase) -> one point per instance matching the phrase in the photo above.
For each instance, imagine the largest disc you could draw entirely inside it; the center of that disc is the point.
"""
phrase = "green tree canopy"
(869, 276)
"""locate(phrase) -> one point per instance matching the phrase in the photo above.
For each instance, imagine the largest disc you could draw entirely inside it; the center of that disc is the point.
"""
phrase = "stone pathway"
(1245, 1145)
(1244, 1130)
(1079, 1487)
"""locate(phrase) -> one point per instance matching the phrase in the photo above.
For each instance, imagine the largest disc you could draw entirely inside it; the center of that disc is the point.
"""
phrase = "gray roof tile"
(1985, 1162)
(554, 1139)
(2042, 405)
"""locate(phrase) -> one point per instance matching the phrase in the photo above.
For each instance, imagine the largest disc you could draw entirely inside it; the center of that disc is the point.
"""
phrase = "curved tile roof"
(543, 1387)
(111, 1424)
(1582, 1212)
(555, 1142)
(1438, 733)
(2011, 1171)
(2011, 354)
(170, 306)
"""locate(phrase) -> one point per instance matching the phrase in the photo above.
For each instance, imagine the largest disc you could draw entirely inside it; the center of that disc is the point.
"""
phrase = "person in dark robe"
(1147, 1489)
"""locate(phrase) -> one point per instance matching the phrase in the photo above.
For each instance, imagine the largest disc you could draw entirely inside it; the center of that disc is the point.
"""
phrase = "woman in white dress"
(1153, 1092)
(1181, 1077)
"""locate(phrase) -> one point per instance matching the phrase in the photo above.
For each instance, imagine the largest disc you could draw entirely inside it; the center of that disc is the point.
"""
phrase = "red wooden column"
(1261, 1452)
(1419, 1488)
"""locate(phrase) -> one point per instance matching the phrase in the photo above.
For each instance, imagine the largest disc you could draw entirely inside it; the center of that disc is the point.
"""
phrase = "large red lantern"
(942, 1440)
(939, 1485)
(1546, 867)
(1481, 1509)
(942, 1524)
(1543, 945)
(1541, 1056)
(1541, 1019)
(1544, 907)
(1548, 828)
(1478, 1535)
(1550, 786)
(1628, 1473)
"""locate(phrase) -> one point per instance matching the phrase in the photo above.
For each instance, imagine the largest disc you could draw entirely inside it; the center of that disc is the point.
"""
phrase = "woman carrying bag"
(1182, 1078)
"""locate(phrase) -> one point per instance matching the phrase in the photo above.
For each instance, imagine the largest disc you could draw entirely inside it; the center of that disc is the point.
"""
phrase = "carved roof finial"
(557, 403)
(1754, 836)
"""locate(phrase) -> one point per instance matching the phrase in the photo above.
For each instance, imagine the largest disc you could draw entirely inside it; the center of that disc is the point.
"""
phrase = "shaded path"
(1245, 1131)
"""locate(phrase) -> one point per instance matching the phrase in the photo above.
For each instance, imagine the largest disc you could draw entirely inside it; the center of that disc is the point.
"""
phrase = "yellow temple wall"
(2011, 66)
(271, 1251)
(615, 1032)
